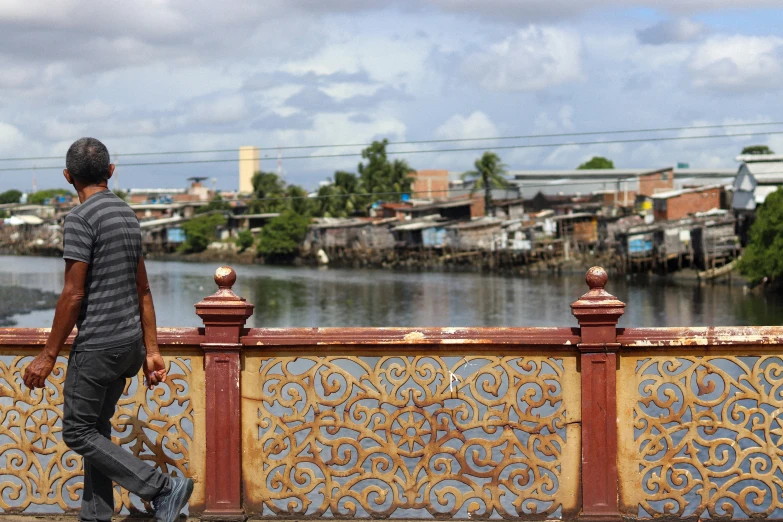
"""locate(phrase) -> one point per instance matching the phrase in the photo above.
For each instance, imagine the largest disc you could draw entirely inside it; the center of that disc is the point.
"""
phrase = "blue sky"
(162, 75)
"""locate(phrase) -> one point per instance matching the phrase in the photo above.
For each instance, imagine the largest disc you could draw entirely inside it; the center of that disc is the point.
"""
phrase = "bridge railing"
(590, 422)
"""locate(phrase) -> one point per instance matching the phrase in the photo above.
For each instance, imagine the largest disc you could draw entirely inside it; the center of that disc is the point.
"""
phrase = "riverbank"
(16, 300)
(482, 262)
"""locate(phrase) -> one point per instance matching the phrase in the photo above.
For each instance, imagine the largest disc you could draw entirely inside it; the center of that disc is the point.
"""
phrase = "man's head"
(87, 163)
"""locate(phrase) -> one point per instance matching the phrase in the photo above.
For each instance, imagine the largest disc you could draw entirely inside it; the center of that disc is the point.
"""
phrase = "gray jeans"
(94, 383)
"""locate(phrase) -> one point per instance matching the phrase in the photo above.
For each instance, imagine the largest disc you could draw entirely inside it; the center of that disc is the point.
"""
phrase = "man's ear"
(111, 170)
(68, 176)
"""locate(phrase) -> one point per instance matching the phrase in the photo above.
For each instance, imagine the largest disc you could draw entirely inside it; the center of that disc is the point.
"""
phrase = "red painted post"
(224, 315)
(598, 312)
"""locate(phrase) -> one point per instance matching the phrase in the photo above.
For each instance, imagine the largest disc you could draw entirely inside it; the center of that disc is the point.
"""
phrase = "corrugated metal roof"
(23, 220)
(436, 206)
(762, 191)
(673, 193)
(421, 225)
(766, 173)
(477, 223)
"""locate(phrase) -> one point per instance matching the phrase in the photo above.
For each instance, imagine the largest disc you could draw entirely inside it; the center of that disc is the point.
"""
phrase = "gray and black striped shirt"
(104, 232)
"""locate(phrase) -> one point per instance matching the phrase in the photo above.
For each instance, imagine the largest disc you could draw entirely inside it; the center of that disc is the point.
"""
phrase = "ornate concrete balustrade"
(591, 422)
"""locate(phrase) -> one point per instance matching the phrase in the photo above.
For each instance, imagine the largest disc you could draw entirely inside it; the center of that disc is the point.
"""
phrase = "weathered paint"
(598, 313)
(49, 473)
(231, 354)
(224, 315)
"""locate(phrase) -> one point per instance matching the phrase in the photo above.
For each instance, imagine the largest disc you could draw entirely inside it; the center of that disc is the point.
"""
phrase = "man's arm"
(65, 316)
(154, 366)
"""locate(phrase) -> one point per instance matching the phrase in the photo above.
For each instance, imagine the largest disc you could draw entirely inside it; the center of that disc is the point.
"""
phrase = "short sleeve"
(77, 239)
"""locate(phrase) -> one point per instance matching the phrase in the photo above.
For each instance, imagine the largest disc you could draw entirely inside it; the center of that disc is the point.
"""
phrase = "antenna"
(35, 184)
(279, 161)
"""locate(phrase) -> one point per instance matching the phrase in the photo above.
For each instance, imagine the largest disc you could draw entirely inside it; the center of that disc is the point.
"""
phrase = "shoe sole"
(188, 493)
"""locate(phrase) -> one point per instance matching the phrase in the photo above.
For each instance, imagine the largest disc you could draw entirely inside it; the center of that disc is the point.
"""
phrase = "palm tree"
(490, 173)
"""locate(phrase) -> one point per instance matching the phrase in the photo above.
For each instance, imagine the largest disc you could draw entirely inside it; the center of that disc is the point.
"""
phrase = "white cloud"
(738, 63)
(224, 109)
(11, 139)
(476, 125)
(671, 31)
(533, 59)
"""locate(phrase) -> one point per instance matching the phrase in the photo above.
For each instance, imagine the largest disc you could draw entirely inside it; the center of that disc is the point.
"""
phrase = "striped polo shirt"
(104, 233)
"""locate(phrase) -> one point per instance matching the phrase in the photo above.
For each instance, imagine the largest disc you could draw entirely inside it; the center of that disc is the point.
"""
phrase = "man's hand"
(39, 370)
(154, 370)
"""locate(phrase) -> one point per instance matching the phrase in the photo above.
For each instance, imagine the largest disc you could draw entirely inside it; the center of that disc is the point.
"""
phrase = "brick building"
(677, 204)
(661, 180)
(431, 184)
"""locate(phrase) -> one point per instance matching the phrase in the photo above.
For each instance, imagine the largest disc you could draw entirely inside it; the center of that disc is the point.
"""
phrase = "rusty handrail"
(564, 338)
(36, 337)
(703, 337)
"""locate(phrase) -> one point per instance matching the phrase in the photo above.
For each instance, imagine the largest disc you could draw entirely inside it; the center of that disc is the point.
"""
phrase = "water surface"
(312, 297)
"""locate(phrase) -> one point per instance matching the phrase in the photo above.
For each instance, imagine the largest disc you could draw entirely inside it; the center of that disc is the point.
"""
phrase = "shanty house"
(677, 204)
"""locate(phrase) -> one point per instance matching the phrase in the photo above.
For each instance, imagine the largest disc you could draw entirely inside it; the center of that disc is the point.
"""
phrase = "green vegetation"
(269, 192)
(597, 162)
(10, 196)
(38, 198)
(341, 197)
(123, 195)
(762, 256)
(281, 237)
(3, 214)
(244, 240)
(757, 149)
(387, 179)
(217, 204)
(200, 232)
(490, 173)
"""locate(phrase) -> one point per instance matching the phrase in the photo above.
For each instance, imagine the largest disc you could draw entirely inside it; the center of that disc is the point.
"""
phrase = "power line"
(446, 191)
(419, 142)
(427, 151)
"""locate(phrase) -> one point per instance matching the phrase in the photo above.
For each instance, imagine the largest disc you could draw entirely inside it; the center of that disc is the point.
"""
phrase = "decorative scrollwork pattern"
(410, 436)
(39, 474)
(706, 437)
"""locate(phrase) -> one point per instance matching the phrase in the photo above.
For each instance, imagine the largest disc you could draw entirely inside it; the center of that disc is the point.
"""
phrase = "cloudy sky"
(185, 75)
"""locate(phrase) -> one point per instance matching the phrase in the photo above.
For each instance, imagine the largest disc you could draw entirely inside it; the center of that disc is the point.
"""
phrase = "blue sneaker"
(168, 504)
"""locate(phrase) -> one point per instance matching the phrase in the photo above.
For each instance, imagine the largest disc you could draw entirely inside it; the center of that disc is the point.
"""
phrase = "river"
(312, 297)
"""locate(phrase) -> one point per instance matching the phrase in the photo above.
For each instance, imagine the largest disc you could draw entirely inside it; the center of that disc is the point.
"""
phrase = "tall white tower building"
(249, 164)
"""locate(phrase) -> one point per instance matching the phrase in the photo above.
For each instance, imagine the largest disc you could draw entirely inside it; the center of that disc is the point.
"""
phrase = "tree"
(489, 173)
(121, 194)
(298, 201)
(244, 240)
(10, 196)
(597, 162)
(281, 237)
(40, 197)
(268, 193)
(217, 204)
(388, 179)
(342, 197)
(757, 149)
(762, 257)
(201, 231)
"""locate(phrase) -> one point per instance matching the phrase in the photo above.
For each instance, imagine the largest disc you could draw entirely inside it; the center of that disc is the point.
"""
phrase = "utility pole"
(35, 185)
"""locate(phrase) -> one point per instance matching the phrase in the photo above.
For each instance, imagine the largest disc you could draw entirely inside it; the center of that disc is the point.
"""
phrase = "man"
(107, 296)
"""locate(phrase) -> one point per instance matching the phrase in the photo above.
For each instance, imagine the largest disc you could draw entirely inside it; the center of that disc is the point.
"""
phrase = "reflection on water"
(328, 297)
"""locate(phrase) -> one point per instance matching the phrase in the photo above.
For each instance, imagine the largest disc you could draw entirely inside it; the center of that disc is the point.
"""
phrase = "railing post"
(224, 315)
(598, 312)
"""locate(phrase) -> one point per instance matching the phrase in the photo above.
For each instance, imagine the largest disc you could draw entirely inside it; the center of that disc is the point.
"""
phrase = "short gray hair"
(88, 161)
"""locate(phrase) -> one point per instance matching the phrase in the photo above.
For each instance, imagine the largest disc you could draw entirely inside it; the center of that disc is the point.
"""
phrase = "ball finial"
(596, 278)
(225, 277)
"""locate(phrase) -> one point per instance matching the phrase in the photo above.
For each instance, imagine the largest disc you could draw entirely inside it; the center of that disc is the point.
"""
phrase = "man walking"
(107, 296)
